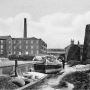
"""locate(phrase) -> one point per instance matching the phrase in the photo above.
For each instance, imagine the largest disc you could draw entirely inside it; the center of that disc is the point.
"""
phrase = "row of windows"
(20, 47)
(2, 41)
(20, 41)
(2, 47)
(26, 52)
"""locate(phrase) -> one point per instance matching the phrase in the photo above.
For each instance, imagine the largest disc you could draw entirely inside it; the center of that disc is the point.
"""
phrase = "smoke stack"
(25, 28)
(86, 47)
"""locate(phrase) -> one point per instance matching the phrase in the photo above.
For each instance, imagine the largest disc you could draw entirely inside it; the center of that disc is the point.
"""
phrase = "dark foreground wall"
(86, 48)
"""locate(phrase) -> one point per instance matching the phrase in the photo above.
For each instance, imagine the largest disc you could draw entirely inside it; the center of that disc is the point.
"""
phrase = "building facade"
(28, 46)
(5, 46)
(21, 46)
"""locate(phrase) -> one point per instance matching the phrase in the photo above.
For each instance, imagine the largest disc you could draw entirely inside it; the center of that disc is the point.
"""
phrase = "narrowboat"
(47, 64)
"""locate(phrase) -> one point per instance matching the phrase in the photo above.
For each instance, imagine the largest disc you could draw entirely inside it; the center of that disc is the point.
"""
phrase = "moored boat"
(48, 64)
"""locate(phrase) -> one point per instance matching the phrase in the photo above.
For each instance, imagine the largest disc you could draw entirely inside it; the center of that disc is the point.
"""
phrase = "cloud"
(55, 29)
(58, 19)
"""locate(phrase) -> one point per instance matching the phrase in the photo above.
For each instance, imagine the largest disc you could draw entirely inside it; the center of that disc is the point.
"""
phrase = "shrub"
(21, 57)
(81, 80)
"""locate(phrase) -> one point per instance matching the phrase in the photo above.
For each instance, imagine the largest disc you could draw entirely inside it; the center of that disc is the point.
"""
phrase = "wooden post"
(16, 68)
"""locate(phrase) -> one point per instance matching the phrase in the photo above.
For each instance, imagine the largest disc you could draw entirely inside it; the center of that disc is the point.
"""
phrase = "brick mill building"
(22, 46)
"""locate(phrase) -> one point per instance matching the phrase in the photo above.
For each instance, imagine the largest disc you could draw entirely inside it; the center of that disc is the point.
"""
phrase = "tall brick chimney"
(25, 28)
(86, 47)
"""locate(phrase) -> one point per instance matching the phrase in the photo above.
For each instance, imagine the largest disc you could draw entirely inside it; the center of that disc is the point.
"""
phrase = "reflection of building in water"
(22, 46)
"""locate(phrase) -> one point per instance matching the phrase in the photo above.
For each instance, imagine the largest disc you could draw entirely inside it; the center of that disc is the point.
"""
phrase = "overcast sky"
(55, 21)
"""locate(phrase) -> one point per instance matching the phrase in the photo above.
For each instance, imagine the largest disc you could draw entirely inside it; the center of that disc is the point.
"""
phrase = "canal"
(47, 83)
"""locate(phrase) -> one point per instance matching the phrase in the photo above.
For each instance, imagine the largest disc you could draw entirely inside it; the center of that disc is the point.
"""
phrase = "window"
(26, 47)
(9, 47)
(31, 51)
(20, 47)
(14, 52)
(37, 52)
(1, 41)
(19, 53)
(20, 41)
(36, 47)
(31, 41)
(14, 41)
(1, 46)
(31, 47)
(37, 41)
(26, 52)
(1, 51)
(26, 42)
(14, 47)
(9, 42)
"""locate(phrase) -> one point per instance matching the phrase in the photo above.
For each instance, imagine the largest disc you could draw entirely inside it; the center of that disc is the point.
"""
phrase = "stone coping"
(6, 63)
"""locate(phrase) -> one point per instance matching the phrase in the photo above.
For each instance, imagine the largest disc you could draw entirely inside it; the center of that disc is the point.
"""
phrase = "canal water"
(53, 80)
(48, 83)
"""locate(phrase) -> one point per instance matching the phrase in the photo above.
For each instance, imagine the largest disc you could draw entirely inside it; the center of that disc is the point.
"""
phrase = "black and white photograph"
(44, 44)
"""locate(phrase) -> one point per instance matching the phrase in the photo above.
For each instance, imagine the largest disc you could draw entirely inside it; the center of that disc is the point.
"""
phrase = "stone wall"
(9, 70)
